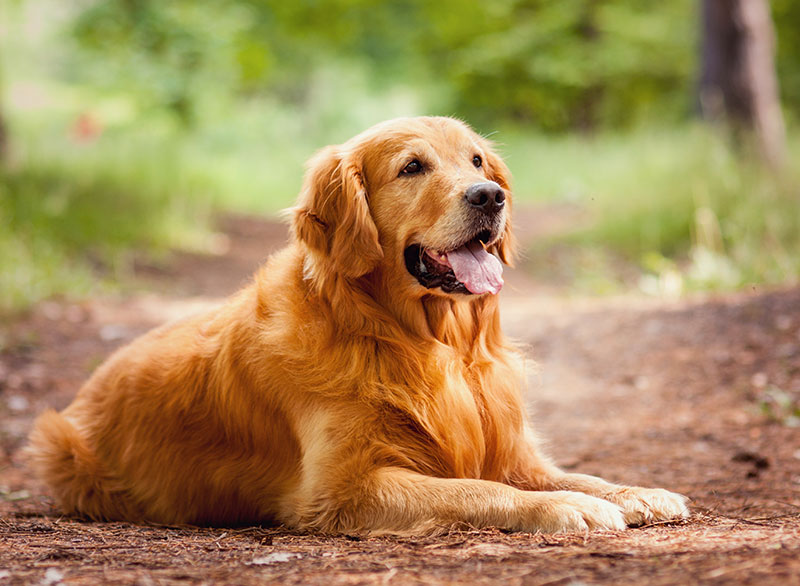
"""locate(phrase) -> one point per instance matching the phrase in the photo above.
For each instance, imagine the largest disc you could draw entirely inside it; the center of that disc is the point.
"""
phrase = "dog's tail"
(68, 465)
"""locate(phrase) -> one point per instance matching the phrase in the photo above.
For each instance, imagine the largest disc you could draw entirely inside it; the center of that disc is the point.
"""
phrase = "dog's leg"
(639, 505)
(399, 501)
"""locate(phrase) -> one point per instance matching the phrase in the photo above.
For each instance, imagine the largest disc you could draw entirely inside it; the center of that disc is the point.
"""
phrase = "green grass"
(681, 204)
(664, 209)
(61, 218)
(143, 186)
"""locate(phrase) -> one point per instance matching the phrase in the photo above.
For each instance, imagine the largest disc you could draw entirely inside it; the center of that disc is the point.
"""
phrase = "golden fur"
(335, 392)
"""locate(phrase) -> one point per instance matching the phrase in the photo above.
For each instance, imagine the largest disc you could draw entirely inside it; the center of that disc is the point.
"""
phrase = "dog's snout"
(488, 197)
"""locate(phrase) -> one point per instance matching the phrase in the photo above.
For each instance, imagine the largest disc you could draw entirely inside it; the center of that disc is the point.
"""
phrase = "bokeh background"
(659, 139)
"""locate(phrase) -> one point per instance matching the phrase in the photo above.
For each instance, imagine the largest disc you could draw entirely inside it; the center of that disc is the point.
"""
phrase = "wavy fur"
(334, 392)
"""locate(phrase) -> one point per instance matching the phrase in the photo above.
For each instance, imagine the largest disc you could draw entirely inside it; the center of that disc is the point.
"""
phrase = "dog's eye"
(412, 168)
(477, 161)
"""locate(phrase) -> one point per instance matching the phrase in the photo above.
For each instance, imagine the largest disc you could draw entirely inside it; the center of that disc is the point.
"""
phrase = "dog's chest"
(500, 418)
(465, 431)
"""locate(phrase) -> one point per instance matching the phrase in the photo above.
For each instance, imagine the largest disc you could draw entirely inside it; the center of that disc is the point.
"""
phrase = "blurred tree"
(585, 63)
(573, 64)
(738, 81)
(155, 49)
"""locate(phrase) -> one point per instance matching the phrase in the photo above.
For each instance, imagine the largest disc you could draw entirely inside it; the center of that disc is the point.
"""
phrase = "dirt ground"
(692, 395)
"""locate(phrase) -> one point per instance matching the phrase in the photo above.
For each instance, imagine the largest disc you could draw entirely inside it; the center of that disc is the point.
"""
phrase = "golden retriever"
(360, 383)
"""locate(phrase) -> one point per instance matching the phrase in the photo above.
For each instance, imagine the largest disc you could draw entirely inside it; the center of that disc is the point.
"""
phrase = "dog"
(359, 384)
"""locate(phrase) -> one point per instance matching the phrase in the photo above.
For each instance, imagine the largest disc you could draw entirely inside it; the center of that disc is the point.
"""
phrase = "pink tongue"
(480, 271)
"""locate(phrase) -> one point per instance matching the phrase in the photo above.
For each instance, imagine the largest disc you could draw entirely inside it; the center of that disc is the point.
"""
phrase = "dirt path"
(695, 396)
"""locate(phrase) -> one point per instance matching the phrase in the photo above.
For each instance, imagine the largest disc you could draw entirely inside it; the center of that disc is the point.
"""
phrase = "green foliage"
(786, 16)
(555, 66)
(167, 55)
(573, 64)
(681, 204)
(63, 214)
(204, 106)
(577, 63)
(186, 56)
(70, 204)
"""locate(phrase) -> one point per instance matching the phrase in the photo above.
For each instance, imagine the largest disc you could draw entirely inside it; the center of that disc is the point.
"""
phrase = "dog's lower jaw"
(426, 274)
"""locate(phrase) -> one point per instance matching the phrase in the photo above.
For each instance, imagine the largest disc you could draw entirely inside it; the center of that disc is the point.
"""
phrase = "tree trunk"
(738, 81)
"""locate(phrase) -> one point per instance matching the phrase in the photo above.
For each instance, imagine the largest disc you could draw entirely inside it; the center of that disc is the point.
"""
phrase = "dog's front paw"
(641, 506)
(560, 511)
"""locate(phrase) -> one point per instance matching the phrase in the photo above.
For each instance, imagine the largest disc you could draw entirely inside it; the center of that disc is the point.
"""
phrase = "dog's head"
(424, 202)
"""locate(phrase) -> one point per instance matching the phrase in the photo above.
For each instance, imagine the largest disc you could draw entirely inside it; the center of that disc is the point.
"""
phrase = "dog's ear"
(499, 173)
(332, 216)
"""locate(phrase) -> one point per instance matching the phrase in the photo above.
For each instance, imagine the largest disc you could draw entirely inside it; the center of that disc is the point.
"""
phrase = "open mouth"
(469, 268)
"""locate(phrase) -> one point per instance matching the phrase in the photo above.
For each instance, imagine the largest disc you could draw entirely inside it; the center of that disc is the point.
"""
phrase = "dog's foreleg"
(399, 501)
(639, 505)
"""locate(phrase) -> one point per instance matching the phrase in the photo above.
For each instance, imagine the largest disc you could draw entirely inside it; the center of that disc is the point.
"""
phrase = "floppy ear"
(332, 216)
(499, 173)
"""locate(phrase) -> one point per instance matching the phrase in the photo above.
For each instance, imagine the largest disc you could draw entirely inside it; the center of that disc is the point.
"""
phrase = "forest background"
(127, 127)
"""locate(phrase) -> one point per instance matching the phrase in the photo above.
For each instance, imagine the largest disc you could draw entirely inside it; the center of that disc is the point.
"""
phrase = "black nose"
(488, 197)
